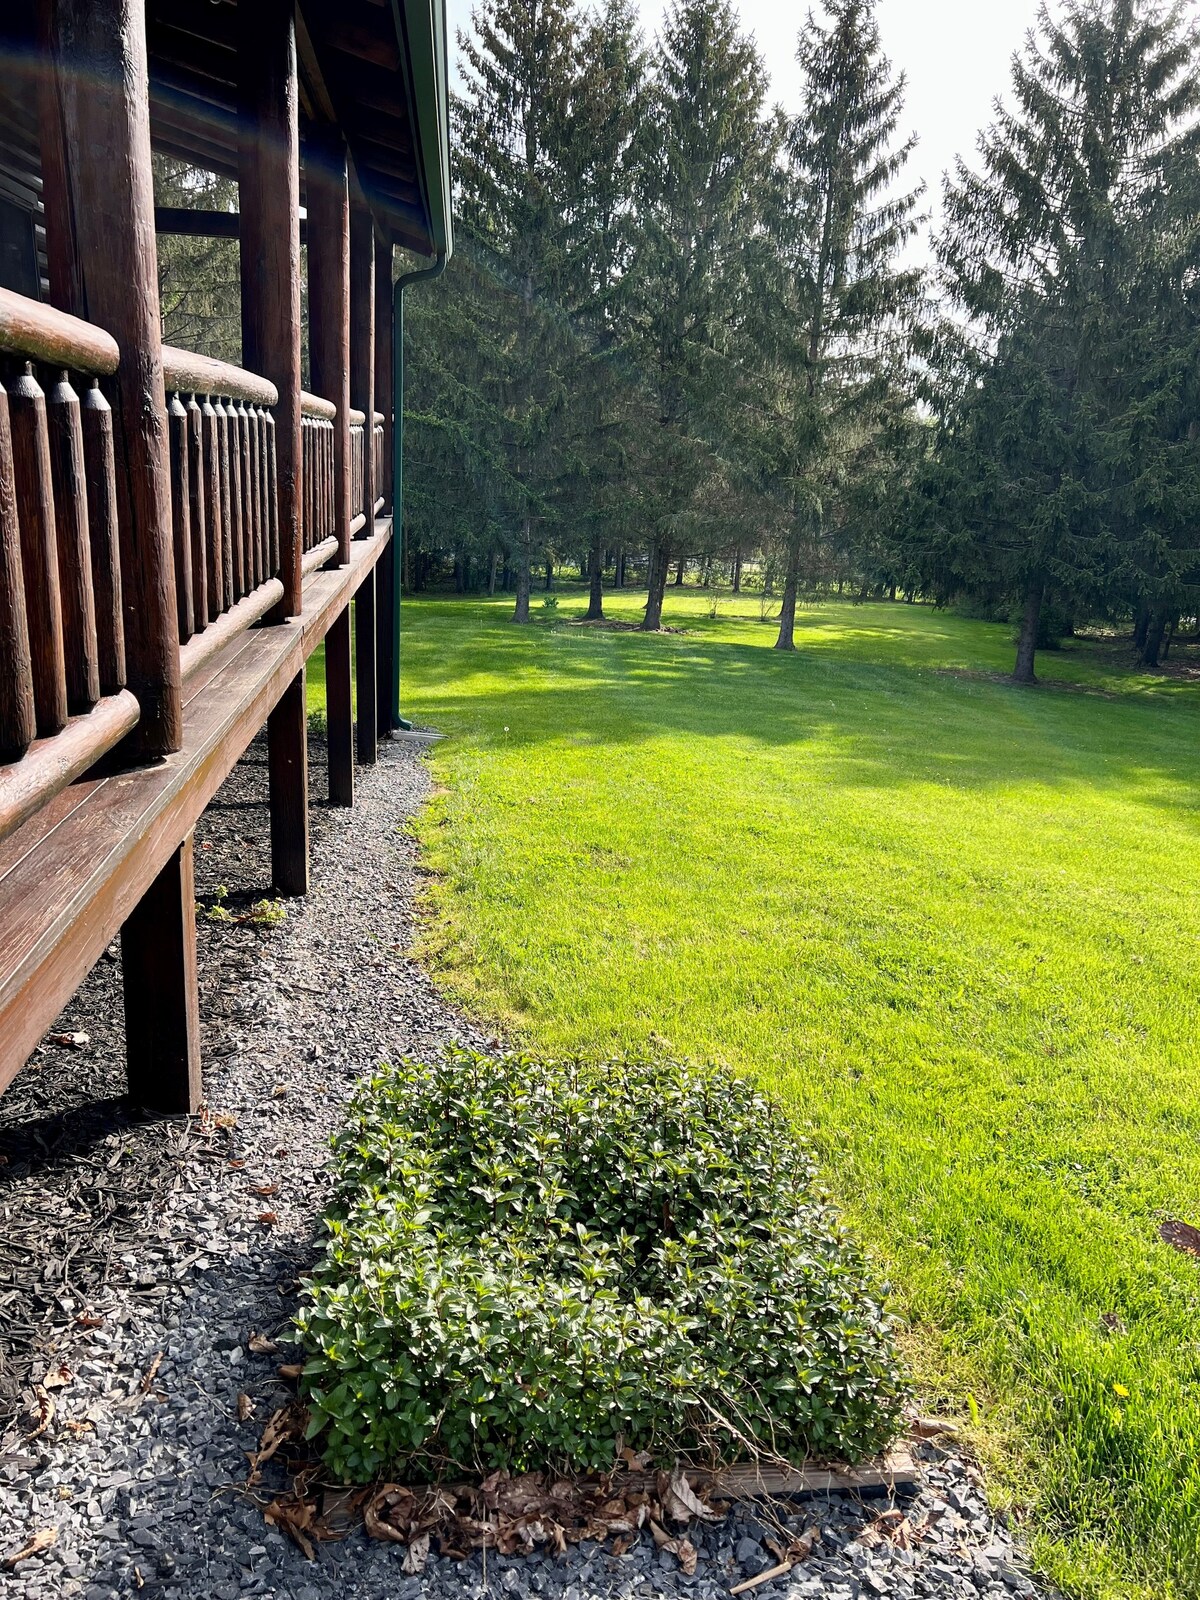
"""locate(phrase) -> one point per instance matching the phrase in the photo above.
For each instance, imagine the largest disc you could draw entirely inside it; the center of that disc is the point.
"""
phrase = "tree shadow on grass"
(864, 724)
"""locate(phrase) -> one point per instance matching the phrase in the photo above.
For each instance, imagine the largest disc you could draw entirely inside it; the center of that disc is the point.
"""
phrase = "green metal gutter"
(421, 28)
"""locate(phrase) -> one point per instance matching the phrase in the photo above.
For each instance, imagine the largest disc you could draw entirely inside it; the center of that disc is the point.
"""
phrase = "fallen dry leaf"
(245, 1408)
(416, 1555)
(680, 1503)
(278, 1092)
(70, 1041)
(46, 1410)
(41, 1540)
(1181, 1236)
(89, 1321)
(267, 1218)
(225, 1119)
(264, 1188)
(260, 1345)
(151, 1374)
(58, 1377)
(284, 1424)
(290, 1369)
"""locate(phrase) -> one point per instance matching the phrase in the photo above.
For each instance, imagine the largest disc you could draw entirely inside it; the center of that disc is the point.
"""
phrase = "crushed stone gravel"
(138, 1257)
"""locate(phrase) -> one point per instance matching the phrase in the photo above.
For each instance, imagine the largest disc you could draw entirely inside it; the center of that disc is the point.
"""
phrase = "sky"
(954, 53)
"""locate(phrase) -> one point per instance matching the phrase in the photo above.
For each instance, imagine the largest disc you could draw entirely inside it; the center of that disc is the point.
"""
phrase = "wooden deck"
(72, 876)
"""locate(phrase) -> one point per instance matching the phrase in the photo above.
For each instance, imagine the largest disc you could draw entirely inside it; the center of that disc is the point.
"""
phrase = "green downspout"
(423, 275)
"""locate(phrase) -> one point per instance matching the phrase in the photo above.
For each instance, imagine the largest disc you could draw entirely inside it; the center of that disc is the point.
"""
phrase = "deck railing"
(63, 702)
(377, 464)
(358, 463)
(318, 508)
(63, 699)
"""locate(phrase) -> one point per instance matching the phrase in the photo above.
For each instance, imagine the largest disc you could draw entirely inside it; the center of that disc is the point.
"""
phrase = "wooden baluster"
(18, 719)
(231, 550)
(39, 553)
(272, 494)
(362, 351)
(74, 549)
(261, 533)
(181, 516)
(99, 212)
(241, 545)
(196, 517)
(100, 469)
(246, 488)
(214, 509)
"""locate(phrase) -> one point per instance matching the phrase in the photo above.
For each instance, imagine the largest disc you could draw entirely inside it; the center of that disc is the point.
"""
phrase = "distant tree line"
(681, 327)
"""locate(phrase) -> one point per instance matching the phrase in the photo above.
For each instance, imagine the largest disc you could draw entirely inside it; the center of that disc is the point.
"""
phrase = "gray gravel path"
(142, 1256)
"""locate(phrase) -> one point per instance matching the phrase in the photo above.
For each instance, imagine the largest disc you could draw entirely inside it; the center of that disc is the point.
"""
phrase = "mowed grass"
(950, 924)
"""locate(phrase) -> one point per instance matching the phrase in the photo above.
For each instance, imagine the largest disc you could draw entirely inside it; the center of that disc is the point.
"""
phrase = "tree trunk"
(524, 577)
(1027, 639)
(737, 570)
(1157, 627)
(619, 568)
(595, 610)
(1169, 638)
(891, 591)
(492, 572)
(1141, 624)
(706, 575)
(679, 572)
(549, 573)
(660, 565)
(787, 614)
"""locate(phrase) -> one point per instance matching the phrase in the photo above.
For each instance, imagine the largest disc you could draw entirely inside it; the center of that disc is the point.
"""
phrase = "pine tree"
(707, 155)
(1063, 465)
(842, 338)
(513, 123)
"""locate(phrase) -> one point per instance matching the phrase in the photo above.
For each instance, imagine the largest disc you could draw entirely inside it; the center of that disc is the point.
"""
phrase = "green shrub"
(526, 1262)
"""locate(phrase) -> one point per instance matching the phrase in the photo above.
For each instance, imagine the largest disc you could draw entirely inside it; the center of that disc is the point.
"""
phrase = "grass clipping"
(533, 1263)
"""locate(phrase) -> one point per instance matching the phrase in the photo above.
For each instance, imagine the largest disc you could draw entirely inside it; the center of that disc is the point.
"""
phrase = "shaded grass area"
(950, 924)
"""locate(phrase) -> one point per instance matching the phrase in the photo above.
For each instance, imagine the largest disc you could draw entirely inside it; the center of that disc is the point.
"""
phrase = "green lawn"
(952, 925)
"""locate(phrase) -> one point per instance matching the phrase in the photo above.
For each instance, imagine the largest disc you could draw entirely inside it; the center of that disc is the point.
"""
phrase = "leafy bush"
(526, 1262)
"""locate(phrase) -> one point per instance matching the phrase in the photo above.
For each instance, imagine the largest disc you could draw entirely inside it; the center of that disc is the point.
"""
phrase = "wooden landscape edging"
(74, 874)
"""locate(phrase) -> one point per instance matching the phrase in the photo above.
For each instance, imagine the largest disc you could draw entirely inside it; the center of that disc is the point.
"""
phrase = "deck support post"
(385, 598)
(287, 768)
(362, 397)
(365, 680)
(339, 714)
(162, 1015)
(94, 106)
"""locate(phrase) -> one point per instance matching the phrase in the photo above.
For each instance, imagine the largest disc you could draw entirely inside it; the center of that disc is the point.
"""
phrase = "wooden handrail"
(40, 333)
(251, 608)
(188, 373)
(357, 418)
(49, 765)
(379, 419)
(311, 405)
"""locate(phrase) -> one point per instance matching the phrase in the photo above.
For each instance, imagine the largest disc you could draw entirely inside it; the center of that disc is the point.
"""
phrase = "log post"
(269, 235)
(269, 208)
(362, 347)
(339, 710)
(94, 106)
(162, 1017)
(385, 581)
(287, 764)
(362, 397)
(18, 722)
(329, 308)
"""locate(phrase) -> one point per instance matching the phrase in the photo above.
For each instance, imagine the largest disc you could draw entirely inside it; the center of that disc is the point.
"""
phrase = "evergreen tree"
(1064, 464)
(513, 124)
(707, 155)
(842, 335)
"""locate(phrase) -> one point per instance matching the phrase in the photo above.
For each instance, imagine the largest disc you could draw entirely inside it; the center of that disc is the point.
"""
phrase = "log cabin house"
(178, 534)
